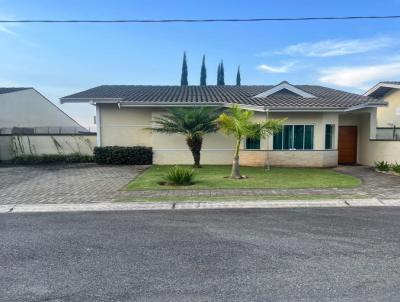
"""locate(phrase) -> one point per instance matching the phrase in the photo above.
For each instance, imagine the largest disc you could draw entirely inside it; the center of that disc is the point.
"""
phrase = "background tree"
(192, 122)
(221, 74)
(237, 122)
(238, 77)
(203, 73)
(184, 74)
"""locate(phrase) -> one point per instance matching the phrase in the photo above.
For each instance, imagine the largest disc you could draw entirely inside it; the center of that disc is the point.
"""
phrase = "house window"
(329, 129)
(252, 143)
(295, 137)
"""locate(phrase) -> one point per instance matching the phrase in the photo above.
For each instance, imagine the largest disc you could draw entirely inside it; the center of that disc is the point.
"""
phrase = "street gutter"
(140, 206)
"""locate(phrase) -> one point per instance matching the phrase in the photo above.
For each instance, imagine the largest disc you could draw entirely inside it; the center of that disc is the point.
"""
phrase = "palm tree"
(237, 122)
(192, 122)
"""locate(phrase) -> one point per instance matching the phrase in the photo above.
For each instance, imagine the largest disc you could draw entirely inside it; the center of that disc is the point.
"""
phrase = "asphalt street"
(320, 254)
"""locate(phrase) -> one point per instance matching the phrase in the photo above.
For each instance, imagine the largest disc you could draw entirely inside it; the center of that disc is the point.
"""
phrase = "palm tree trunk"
(194, 144)
(235, 173)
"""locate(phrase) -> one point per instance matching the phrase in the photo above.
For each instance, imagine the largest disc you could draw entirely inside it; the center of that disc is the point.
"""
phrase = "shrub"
(179, 176)
(395, 167)
(51, 159)
(382, 166)
(115, 155)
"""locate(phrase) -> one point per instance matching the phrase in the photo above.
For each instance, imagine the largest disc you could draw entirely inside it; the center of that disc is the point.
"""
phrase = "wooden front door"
(347, 145)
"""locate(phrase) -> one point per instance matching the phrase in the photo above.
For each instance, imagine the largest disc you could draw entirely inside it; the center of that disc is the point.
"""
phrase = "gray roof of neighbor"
(391, 82)
(382, 88)
(13, 89)
(160, 95)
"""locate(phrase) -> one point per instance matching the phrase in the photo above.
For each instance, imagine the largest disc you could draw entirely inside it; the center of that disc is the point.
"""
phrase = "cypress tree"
(203, 73)
(222, 74)
(184, 75)
(238, 77)
(219, 74)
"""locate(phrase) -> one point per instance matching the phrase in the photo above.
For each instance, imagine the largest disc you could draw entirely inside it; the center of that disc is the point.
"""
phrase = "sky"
(61, 59)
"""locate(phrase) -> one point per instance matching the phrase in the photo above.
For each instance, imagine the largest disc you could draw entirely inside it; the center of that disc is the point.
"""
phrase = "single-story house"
(25, 110)
(324, 126)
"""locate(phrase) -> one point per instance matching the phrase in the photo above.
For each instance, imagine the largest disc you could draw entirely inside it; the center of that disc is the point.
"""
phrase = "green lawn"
(214, 177)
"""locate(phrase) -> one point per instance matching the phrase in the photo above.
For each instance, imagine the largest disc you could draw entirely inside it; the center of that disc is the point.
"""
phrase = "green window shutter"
(278, 141)
(253, 143)
(328, 136)
(288, 137)
(309, 137)
(298, 137)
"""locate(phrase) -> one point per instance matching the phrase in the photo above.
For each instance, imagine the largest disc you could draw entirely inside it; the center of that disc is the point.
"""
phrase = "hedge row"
(52, 159)
(116, 155)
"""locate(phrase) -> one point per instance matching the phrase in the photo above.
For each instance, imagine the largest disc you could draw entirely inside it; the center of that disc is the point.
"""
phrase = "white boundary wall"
(12, 145)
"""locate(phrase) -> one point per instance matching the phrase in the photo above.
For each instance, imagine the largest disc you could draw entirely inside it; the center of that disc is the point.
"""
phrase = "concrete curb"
(138, 206)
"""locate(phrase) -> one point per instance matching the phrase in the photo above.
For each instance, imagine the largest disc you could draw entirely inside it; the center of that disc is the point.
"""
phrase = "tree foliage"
(238, 123)
(238, 77)
(192, 122)
(203, 72)
(184, 74)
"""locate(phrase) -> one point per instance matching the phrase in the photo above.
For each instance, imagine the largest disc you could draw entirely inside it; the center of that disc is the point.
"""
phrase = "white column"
(372, 123)
(98, 125)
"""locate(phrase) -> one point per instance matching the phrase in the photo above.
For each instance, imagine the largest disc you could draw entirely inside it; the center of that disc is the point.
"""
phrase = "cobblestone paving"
(79, 183)
(374, 184)
(86, 183)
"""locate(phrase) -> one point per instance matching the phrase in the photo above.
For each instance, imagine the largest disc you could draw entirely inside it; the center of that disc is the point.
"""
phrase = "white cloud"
(6, 27)
(331, 48)
(285, 68)
(360, 76)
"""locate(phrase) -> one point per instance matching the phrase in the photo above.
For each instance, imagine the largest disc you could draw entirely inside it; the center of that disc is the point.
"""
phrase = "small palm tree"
(192, 122)
(237, 122)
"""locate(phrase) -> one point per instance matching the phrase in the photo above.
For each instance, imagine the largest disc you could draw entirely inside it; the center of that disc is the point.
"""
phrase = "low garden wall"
(19, 145)
(379, 150)
(289, 158)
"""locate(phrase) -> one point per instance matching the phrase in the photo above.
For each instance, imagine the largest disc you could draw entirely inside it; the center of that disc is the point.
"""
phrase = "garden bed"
(214, 177)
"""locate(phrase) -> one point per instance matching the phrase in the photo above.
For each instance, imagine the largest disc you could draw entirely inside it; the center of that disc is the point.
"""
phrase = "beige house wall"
(376, 150)
(390, 114)
(12, 145)
(125, 127)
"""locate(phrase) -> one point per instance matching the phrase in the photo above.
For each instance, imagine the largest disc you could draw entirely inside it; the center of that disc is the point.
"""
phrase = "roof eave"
(375, 88)
(90, 100)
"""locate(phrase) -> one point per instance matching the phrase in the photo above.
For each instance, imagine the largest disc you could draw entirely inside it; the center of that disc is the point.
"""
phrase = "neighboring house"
(388, 117)
(31, 124)
(25, 110)
(324, 126)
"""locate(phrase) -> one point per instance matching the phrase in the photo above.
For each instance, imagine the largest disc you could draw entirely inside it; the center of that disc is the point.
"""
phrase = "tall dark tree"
(221, 77)
(184, 75)
(238, 77)
(219, 74)
(203, 73)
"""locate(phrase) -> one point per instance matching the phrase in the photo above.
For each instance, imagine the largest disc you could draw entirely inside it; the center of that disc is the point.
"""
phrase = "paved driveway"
(339, 254)
(80, 183)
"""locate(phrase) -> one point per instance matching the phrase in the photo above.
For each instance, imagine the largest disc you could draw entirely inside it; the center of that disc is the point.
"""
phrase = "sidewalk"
(137, 206)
